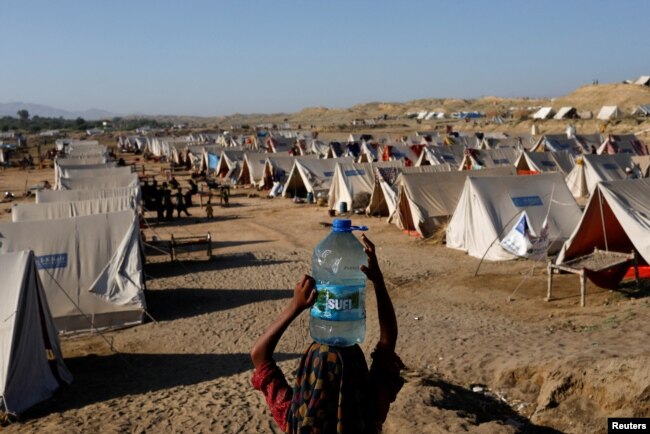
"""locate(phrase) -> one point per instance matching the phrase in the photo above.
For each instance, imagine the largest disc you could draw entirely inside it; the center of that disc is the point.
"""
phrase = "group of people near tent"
(73, 262)
(162, 200)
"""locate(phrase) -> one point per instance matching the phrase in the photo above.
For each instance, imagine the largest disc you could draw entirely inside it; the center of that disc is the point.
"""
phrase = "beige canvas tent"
(21, 212)
(312, 175)
(90, 266)
(543, 162)
(252, 169)
(616, 218)
(47, 196)
(427, 200)
(383, 199)
(608, 112)
(89, 171)
(103, 182)
(229, 165)
(61, 167)
(353, 179)
(622, 144)
(490, 207)
(477, 159)
(591, 169)
(451, 154)
(544, 113)
(575, 145)
(27, 336)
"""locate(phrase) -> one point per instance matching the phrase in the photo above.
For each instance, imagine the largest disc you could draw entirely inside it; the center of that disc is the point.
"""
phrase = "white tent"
(622, 144)
(515, 142)
(278, 166)
(642, 110)
(229, 165)
(383, 199)
(46, 196)
(400, 152)
(91, 263)
(591, 169)
(644, 80)
(566, 113)
(352, 179)
(477, 159)
(252, 169)
(21, 212)
(104, 182)
(543, 113)
(27, 335)
(561, 142)
(62, 165)
(452, 155)
(543, 162)
(320, 148)
(93, 172)
(369, 152)
(608, 112)
(312, 175)
(426, 200)
(489, 208)
(616, 218)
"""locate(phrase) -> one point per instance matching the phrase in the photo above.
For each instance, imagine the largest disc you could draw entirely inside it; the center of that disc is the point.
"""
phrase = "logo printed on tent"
(610, 166)
(548, 163)
(526, 201)
(356, 172)
(49, 262)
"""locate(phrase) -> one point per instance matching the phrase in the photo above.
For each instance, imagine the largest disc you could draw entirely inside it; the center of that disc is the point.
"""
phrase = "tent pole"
(602, 218)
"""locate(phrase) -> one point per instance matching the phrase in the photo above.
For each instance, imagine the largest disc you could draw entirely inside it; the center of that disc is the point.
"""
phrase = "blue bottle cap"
(345, 225)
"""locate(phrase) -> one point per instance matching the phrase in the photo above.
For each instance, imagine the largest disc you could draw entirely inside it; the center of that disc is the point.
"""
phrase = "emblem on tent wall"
(49, 262)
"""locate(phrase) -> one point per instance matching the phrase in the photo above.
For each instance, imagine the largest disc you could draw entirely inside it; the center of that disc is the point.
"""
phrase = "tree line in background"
(35, 124)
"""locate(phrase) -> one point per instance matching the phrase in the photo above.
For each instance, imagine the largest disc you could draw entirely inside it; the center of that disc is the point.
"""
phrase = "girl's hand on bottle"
(372, 270)
(304, 294)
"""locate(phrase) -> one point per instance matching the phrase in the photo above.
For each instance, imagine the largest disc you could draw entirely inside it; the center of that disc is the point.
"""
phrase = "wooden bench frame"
(622, 258)
(197, 240)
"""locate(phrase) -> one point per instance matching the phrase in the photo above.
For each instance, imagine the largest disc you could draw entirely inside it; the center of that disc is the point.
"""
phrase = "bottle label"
(339, 303)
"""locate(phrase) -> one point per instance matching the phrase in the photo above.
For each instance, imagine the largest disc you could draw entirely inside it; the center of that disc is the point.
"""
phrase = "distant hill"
(592, 97)
(586, 98)
(11, 108)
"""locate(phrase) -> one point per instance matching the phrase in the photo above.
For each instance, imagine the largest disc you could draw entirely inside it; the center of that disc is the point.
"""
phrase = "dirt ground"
(485, 353)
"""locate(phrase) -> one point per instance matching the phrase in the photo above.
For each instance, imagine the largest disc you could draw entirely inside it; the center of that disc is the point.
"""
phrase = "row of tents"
(205, 155)
(477, 208)
(71, 262)
(606, 113)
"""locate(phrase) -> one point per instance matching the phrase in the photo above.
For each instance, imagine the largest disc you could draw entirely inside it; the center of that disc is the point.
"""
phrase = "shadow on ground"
(201, 264)
(479, 408)
(101, 378)
(171, 304)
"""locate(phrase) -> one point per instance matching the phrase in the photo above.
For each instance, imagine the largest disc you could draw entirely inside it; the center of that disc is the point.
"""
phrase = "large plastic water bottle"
(338, 317)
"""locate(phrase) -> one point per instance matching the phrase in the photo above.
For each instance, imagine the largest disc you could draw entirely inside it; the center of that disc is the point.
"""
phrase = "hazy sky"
(220, 57)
